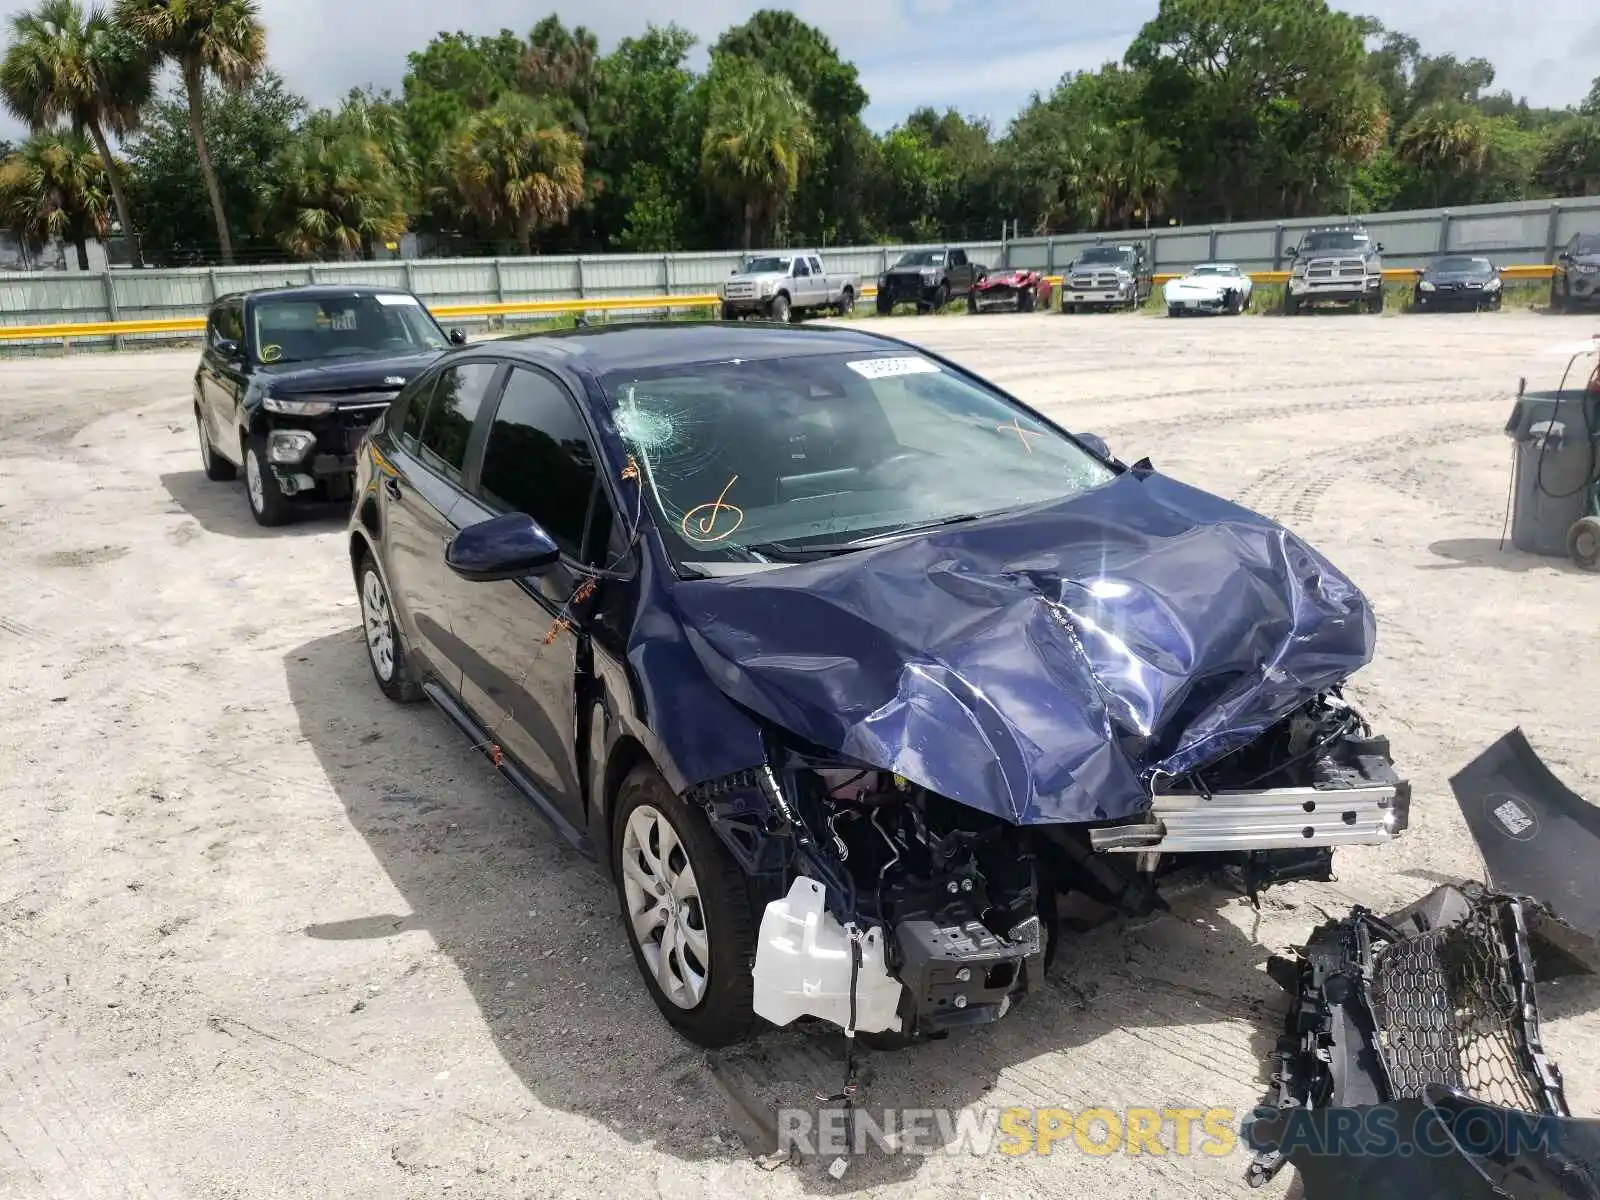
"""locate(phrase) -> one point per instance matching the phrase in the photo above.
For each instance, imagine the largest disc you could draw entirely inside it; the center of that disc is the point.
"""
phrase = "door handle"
(392, 486)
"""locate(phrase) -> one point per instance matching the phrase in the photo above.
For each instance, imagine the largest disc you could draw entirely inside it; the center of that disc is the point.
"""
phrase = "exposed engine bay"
(891, 909)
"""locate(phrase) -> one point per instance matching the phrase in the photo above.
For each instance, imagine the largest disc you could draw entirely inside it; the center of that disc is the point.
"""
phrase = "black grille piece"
(1438, 994)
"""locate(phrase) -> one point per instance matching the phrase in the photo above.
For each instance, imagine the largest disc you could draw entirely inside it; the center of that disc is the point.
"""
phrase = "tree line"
(1219, 110)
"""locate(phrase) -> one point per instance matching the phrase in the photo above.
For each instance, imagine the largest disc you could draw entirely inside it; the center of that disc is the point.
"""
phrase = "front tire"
(386, 652)
(847, 303)
(778, 310)
(217, 468)
(941, 298)
(885, 306)
(1556, 303)
(1374, 302)
(1025, 301)
(688, 911)
(268, 505)
(1291, 304)
(972, 303)
(728, 313)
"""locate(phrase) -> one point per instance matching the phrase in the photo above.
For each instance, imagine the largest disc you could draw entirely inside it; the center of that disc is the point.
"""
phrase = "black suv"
(1577, 275)
(290, 378)
(928, 278)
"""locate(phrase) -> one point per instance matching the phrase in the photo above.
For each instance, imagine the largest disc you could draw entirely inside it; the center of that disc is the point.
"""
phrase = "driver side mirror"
(512, 546)
(1291, 252)
(230, 350)
(458, 337)
(1378, 246)
(1563, 257)
(1096, 443)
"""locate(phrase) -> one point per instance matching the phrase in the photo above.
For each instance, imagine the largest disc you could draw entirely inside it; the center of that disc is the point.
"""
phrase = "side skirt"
(447, 704)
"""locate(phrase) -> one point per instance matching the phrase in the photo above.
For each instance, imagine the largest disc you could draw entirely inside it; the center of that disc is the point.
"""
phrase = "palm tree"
(1444, 142)
(336, 193)
(757, 140)
(515, 168)
(55, 186)
(222, 38)
(66, 63)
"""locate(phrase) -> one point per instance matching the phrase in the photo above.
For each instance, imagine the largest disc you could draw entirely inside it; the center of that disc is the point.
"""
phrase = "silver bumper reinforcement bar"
(1280, 819)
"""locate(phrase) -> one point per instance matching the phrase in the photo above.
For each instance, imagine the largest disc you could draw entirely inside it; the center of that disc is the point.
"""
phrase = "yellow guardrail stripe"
(64, 332)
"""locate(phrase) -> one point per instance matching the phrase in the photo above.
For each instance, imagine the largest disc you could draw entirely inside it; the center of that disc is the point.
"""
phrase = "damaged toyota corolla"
(850, 667)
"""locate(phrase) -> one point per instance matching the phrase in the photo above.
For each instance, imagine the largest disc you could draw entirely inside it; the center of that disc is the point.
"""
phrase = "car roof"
(646, 345)
(1220, 266)
(328, 291)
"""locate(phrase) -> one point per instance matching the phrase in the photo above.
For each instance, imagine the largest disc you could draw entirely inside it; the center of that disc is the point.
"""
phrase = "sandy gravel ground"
(263, 934)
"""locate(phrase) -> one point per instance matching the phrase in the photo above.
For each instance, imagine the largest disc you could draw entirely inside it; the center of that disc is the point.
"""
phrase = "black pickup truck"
(290, 378)
(930, 279)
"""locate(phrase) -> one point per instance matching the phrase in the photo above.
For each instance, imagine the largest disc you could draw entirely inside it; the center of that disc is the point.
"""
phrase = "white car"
(1208, 288)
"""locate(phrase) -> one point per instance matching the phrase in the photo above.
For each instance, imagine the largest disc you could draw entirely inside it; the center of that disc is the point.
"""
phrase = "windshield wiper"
(790, 552)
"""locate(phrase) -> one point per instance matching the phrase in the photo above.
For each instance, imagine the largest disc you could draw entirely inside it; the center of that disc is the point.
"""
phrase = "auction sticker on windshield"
(883, 368)
(399, 300)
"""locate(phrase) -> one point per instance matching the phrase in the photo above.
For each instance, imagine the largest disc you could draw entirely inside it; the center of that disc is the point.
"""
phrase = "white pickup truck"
(785, 286)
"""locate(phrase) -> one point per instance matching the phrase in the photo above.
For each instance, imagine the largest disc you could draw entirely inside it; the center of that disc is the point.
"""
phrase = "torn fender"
(1045, 666)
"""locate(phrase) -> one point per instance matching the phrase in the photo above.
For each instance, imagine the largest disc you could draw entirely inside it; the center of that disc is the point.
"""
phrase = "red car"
(1021, 290)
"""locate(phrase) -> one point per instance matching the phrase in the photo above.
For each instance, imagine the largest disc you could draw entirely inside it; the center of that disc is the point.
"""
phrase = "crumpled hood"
(1046, 666)
(1007, 279)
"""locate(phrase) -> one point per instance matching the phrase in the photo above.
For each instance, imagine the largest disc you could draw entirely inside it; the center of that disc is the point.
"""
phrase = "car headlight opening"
(297, 408)
(289, 446)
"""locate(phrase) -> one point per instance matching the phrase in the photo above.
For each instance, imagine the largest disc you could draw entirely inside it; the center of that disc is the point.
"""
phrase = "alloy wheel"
(379, 624)
(253, 482)
(664, 906)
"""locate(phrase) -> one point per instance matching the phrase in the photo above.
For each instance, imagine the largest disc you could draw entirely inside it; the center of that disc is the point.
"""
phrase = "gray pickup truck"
(785, 286)
(1339, 265)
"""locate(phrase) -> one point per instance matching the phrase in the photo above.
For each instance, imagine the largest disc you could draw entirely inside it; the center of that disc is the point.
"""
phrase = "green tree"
(54, 186)
(560, 68)
(456, 75)
(1569, 164)
(1266, 103)
(1457, 155)
(246, 131)
(217, 39)
(66, 63)
(829, 200)
(515, 169)
(757, 140)
(1591, 102)
(335, 191)
(644, 142)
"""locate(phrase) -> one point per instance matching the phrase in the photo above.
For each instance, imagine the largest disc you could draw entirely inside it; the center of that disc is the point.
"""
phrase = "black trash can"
(1557, 436)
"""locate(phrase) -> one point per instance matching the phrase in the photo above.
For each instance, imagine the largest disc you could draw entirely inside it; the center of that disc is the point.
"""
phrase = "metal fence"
(1522, 232)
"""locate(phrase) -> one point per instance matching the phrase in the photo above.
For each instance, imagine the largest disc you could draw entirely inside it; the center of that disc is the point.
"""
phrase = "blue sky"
(983, 56)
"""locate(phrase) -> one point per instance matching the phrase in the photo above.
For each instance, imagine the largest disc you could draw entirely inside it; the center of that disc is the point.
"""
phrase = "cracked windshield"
(805, 457)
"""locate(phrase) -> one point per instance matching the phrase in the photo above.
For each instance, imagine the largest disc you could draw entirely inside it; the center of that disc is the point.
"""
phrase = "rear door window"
(539, 461)
(457, 397)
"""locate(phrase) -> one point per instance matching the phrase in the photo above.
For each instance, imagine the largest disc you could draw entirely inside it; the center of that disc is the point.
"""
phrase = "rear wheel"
(385, 650)
(217, 468)
(688, 911)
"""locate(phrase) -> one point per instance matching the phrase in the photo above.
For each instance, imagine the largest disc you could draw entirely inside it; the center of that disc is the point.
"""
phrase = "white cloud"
(983, 58)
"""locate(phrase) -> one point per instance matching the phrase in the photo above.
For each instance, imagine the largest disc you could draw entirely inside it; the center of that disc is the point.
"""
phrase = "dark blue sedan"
(848, 666)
